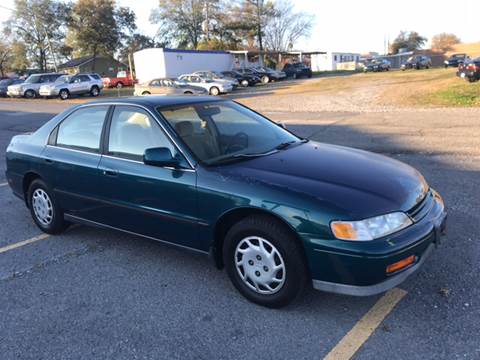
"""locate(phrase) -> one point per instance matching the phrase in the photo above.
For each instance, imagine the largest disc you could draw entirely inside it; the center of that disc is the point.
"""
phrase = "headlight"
(370, 229)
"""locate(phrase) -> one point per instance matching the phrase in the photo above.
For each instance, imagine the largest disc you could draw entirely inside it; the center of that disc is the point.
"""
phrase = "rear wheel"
(188, 93)
(264, 261)
(94, 91)
(44, 209)
(265, 79)
(214, 91)
(146, 93)
(244, 83)
(119, 85)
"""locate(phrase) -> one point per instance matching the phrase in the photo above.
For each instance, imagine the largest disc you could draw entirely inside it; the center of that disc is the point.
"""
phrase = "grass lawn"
(425, 88)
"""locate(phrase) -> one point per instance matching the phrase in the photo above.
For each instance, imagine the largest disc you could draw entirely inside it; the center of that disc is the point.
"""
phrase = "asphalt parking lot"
(93, 293)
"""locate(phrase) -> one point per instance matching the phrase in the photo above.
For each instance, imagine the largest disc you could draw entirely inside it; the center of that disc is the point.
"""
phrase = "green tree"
(180, 21)
(41, 26)
(444, 41)
(5, 57)
(99, 27)
(138, 42)
(408, 40)
(19, 56)
(249, 20)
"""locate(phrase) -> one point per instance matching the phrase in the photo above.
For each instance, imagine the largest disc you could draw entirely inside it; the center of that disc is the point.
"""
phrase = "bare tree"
(444, 41)
(286, 27)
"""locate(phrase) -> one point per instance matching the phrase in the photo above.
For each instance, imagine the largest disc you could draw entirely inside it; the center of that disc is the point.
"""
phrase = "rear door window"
(82, 130)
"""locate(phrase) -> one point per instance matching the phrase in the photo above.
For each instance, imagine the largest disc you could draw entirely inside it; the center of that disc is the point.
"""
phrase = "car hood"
(15, 87)
(354, 183)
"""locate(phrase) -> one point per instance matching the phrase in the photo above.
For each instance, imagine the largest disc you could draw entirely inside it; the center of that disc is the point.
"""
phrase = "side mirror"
(160, 157)
(282, 125)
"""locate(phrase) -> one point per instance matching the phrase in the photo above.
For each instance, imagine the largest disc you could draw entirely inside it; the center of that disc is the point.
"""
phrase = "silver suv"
(68, 85)
(30, 87)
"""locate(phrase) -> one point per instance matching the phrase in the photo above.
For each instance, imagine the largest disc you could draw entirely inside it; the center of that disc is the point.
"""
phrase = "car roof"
(153, 101)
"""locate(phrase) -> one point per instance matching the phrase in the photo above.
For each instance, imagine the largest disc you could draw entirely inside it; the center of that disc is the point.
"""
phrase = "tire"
(265, 79)
(214, 91)
(146, 93)
(244, 83)
(64, 94)
(294, 76)
(94, 91)
(30, 94)
(188, 93)
(286, 283)
(119, 85)
(45, 211)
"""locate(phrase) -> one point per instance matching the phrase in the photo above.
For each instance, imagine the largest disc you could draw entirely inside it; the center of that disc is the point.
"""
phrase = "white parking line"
(3, 184)
(356, 337)
(23, 243)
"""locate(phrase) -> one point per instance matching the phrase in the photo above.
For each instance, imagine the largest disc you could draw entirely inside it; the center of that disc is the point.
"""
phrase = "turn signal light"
(399, 265)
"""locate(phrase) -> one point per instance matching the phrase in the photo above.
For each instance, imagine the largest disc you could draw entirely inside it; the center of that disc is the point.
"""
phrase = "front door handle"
(48, 160)
(110, 172)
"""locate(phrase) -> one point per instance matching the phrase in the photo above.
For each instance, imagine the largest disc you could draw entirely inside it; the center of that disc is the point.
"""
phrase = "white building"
(330, 60)
(168, 63)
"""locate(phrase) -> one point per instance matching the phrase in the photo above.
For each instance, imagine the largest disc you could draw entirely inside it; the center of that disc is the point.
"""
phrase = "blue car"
(277, 211)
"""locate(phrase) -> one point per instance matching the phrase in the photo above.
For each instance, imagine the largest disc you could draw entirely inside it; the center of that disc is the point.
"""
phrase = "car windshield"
(33, 79)
(224, 131)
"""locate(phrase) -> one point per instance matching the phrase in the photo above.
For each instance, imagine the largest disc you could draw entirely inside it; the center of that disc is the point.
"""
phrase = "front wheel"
(64, 94)
(214, 91)
(264, 261)
(244, 83)
(119, 85)
(44, 209)
(30, 94)
(265, 79)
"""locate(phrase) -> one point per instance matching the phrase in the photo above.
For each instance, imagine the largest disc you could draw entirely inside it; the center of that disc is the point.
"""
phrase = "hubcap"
(260, 265)
(42, 207)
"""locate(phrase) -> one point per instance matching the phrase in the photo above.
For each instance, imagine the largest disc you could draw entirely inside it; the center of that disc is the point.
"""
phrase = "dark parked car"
(297, 70)
(5, 83)
(417, 62)
(377, 65)
(471, 70)
(265, 74)
(243, 79)
(455, 60)
(277, 211)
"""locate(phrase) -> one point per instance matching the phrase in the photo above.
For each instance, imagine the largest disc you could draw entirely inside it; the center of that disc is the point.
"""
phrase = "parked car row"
(207, 82)
(52, 85)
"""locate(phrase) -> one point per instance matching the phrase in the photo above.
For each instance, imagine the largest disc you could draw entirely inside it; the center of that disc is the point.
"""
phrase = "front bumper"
(15, 93)
(359, 269)
(48, 92)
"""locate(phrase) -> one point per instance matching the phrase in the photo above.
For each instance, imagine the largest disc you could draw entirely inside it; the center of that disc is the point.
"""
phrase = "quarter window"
(133, 131)
(82, 130)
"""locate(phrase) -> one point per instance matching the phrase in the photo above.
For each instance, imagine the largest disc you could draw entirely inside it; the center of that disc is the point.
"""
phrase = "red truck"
(123, 78)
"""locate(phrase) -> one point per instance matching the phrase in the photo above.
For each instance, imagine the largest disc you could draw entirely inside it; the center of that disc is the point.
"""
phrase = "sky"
(356, 25)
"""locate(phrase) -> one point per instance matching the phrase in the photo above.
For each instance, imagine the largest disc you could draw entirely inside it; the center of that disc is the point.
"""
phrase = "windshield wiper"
(285, 145)
(240, 156)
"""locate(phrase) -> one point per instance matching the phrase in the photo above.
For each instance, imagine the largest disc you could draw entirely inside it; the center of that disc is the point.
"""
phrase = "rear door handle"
(48, 161)
(110, 172)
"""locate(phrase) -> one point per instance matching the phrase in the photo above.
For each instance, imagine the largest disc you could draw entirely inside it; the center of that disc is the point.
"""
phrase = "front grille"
(420, 210)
